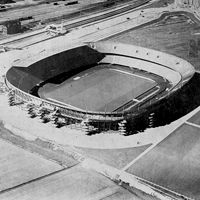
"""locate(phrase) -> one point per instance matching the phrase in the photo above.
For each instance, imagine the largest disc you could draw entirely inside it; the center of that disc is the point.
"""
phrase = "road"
(45, 11)
(141, 167)
(34, 37)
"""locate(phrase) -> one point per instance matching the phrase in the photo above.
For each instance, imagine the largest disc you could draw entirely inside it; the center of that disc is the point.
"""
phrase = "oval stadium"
(99, 85)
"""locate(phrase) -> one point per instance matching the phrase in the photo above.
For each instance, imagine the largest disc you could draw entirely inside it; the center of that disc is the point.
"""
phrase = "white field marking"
(76, 78)
(137, 100)
(151, 93)
(142, 154)
(197, 71)
(133, 74)
(192, 124)
(140, 77)
(196, 33)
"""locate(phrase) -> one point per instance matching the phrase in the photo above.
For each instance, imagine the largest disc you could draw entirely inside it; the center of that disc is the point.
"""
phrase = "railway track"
(76, 23)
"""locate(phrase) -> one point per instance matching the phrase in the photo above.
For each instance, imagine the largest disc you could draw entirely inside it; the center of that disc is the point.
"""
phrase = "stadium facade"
(99, 85)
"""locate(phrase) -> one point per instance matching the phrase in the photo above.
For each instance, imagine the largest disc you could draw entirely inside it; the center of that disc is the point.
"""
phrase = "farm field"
(173, 163)
(19, 166)
(75, 183)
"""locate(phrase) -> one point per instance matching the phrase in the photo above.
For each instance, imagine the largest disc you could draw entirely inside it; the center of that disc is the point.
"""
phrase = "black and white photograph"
(99, 99)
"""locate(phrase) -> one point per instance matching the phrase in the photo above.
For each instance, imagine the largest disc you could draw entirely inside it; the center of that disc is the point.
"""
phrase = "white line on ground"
(197, 71)
(151, 93)
(136, 100)
(156, 143)
(192, 124)
(133, 74)
(141, 155)
(132, 180)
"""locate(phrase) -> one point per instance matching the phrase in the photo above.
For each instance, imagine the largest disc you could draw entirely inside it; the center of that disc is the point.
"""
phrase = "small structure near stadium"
(98, 85)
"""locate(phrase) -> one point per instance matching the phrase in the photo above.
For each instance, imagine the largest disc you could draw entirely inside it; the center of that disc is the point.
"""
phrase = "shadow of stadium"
(168, 110)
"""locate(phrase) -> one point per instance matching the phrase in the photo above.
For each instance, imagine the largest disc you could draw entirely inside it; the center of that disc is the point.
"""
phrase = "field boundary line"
(33, 180)
(192, 124)
(140, 156)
